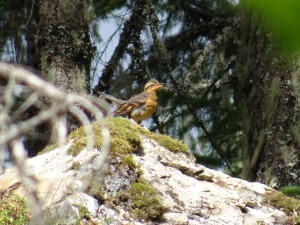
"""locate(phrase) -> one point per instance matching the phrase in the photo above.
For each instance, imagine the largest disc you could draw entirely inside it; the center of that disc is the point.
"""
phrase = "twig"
(132, 26)
(61, 103)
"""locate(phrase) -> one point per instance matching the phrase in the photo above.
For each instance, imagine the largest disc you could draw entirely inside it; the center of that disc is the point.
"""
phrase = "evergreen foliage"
(196, 63)
(192, 46)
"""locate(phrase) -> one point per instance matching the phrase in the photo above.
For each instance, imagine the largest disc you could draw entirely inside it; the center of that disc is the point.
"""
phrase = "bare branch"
(132, 28)
(58, 104)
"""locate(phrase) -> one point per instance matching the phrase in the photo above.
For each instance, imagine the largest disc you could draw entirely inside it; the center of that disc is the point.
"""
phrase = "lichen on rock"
(145, 179)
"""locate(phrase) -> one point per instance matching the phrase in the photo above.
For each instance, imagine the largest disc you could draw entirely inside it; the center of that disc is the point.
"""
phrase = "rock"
(176, 218)
(189, 193)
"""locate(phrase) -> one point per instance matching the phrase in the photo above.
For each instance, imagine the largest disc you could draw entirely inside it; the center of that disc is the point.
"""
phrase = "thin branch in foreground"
(13, 129)
(29, 182)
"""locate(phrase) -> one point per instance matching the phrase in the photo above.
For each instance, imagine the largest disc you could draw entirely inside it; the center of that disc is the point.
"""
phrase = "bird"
(139, 107)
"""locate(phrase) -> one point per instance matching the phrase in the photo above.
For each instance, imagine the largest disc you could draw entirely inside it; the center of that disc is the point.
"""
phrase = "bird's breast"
(146, 111)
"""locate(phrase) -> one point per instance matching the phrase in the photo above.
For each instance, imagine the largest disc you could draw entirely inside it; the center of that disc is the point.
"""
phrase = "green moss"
(75, 166)
(124, 137)
(129, 161)
(101, 195)
(79, 142)
(281, 201)
(13, 210)
(167, 142)
(292, 191)
(145, 200)
(296, 220)
(84, 213)
(289, 205)
(122, 130)
(48, 149)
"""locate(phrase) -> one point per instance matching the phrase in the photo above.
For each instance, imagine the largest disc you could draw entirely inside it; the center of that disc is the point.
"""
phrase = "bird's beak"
(158, 86)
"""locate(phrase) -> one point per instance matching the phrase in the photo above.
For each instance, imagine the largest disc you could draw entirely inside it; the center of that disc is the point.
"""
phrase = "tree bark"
(65, 47)
(61, 49)
(271, 150)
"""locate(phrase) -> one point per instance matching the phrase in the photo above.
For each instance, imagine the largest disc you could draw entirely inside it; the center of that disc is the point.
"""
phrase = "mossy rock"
(84, 213)
(48, 148)
(145, 200)
(289, 205)
(124, 137)
(129, 161)
(281, 201)
(167, 142)
(13, 210)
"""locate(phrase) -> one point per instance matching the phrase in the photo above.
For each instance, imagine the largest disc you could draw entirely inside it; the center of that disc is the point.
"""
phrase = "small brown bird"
(139, 107)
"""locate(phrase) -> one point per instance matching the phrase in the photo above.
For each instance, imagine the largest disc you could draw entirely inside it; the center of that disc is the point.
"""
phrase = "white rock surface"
(191, 194)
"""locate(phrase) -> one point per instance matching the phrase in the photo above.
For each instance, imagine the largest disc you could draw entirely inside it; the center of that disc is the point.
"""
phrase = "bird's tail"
(111, 99)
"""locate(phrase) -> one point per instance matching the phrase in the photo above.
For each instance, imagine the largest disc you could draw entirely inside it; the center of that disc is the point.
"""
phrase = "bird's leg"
(133, 121)
(139, 124)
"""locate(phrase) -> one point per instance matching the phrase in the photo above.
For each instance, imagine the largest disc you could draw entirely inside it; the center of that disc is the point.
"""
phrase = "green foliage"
(292, 191)
(196, 31)
(197, 50)
(283, 18)
(14, 17)
(214, 105)
(5, 4)
(104, 7)
(13, 210)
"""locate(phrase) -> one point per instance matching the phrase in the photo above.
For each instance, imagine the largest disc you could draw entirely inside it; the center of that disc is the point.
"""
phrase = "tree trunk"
(65, 47)
(271, 150)
(61, 49)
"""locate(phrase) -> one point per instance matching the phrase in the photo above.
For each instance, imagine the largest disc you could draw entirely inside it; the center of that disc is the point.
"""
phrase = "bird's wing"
(135, 102)
(111, 99)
